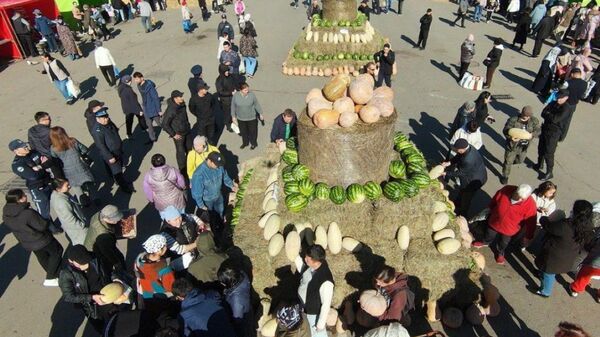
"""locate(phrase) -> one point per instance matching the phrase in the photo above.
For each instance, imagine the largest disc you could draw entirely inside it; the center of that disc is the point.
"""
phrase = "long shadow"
(489, 160)
(127, 70)
(515, 259)
(447, 21)
(507, 109)
(231, 161)
(508, 323)
(88, 88)
(524, 82)
(441, 66)
(408, 39)
(434, 148)
(13, 263)
(526, 71)
(66, 319)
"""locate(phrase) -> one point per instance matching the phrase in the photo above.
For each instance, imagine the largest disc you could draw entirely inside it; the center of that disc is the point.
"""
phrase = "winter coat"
(225, 27)
(22, 166)
(473, 138)
(44, 25)
(207, 183)
(507, 218)
(72, 218)
(386, 63)
(225, 84)
(522, 29)
(164, 186)
(467, 51)
(278, 130)
(175, 120)
(543, 202)
(560, 250)
(102, 240)
(233, 58)
(76, 170)
(21, 26)
(248, 46)
(495, 55)
(108, 141)
(203, 108)
(195, 159)
(545, 28)
(154, 278)
(557, 118)
(29, 228)
(203, 315)
(238, 299)
(129, 100)
(469, 168)
(593, 257)
(205, 267)
(425, 22)
(38, 137)
(103, 57)
(185, 234)
(193, 84)
(75, 288)
(462, 118)
(532, 126)
(537, 14)
(150, 99)
(117, 4)
(396, 297)
(65, 35)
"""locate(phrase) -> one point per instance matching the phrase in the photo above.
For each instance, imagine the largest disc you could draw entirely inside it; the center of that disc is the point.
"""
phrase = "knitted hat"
(154, 243)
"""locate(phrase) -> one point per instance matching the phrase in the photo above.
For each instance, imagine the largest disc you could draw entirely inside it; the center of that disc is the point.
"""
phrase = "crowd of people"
(185, 282)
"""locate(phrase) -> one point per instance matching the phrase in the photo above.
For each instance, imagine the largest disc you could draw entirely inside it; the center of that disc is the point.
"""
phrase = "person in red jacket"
(511, 209)
(394, 287)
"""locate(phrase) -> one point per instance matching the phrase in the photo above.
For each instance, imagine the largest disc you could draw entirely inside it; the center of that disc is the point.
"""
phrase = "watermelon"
(288, 177)
(337, 195)
(414, 168)
(290, 157)
(306, 187)
(322, 191)
(355, 193)
(400, 146)
(290, 143)
(416, 158)
(296, 202)
(291, 188)
(372, 191)
(409, 188)
(300, 172)
(400, 137)
(393, 191)
(397, 169)
(421, 179)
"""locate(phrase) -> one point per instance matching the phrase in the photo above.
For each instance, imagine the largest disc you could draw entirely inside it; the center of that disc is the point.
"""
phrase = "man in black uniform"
(577, 88)
(176, 124)
(109, 143)
(555, 115)
(28, 165)
(196, 80)
(424, 31)
(202, 106)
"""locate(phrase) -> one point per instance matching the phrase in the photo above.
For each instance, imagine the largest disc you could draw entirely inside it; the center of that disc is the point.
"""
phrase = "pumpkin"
(475, 314)
(347, 119)
(321, 72)
(296, 71)
(327, 72)
(490, 293)
(360, 91)
(436, 171)
(341, 71)
(284, 70)
(334, 238)
(443, 234)
(270, 205)
(351, 69)
(365, 320)
(440, 221)
(335, 88)
(439, 206)
(344, 104)
(326, 118)
(314, 93)
(315, 71)
(317, 104)
(448, 246)
(519, 133)
(332, 317)
(366, 77)
(275, 244)
(346, 70)
(385, 107)
(384, 92)
(334, 71)
(265, 303)
(350, 244)
(272, 226)
(292, 245)
(369, 114)
(321, 237)
(479, 259)
(302, 71)
(269, 329)
(403, 237)
(357, 108)
(434, 313)
(343, 77)
(452, 318)
(264, 218)
(492, 310)
(372, 302)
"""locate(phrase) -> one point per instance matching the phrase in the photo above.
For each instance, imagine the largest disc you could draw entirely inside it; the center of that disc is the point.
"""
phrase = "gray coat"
(467, 51)
(71, 216)
(76, 171)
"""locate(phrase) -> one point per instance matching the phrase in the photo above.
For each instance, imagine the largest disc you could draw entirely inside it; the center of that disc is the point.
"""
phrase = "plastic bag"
(242, 68)
(73, 88)
(117, 71)
(392, 330)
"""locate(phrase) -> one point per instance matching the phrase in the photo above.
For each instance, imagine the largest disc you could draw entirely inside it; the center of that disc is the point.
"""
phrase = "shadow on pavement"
(435, 148)
(441, 66)
(13, 263)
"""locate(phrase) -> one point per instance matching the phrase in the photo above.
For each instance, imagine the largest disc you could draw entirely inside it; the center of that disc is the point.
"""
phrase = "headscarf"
(289, 316)
(154, 244)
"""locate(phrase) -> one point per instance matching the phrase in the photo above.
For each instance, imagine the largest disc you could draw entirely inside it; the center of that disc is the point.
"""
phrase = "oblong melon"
(443, 234)
(403, 237)
(519, 133)
(334, 238)
(272, 226)
(440, 221)
(321, 237)
(351, 244)
(436, 172)
(270, 205)
(439, 206)
(264, 218)
(448, 246)
(275, 244)
(292, 245)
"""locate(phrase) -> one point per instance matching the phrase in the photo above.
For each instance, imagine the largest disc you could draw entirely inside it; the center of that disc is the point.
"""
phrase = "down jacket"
(164, 186)
(30, 229)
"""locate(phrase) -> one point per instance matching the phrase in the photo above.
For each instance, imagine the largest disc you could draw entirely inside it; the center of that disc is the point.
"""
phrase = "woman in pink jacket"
(164, 185)
(239, 7)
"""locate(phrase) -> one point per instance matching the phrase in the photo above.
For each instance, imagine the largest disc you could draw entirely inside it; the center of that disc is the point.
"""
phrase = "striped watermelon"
(421, 179)
(414, 168)
(322, 191)
(400, 137)
(290, 157)
(416, 158)
(291, 188)
(409, 188)
(306, 187)
(393, 191)
(290, 143)
(288, 177)
(403, 145)
(296, 202)
(373, 191)
(355, 193)
(300, 172)
(337, 195)
(397, 169)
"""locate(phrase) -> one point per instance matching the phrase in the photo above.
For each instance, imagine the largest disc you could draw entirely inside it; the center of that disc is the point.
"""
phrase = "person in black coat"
(556, 116)
(109, 143)
(225, 27)
(130, 105)
(202, 105)
(482, 114)
(522, 29)
(492, 61)
(39, 140)
(32, 233)
(544, 30)
(469, 169)
(90, 115)
(177, 126)
(424, 30)
(284, 127)
(225, 85)
(385, 60)
(365, 9)
(564, 241)
(196, 80)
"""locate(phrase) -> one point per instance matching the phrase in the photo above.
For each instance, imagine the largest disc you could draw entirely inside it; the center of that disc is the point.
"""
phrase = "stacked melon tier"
(333, 47)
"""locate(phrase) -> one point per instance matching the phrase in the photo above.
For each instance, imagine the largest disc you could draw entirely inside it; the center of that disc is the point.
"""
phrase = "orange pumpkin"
(317, 104)
(302, 71)
(326, 118)
(366, 77)
(296, 71)
(334, 71)
(347, 119)
(343, 105)
(284, 70)
(385, 107)
(369, 114)
(351, 69)
(361, 91)
(334, 89)
(372, 302)
(314, 93)
(384, 92)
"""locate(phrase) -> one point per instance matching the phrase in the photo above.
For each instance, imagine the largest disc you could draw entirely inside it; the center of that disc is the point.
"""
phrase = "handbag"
(73, 88)
(487, 62)
(242, 67)
(117, 71)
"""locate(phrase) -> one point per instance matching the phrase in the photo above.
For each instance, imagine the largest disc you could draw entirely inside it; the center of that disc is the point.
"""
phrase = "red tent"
(9, 45)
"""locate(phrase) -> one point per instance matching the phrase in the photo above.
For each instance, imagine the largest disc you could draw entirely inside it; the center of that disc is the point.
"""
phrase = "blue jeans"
(121, 13)
(146, 23)
(51, 41)
(62, 87)
(312, 321)
(216, 205)
(547, 283)
(477, 13)
(388, 5)
(250, 63)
